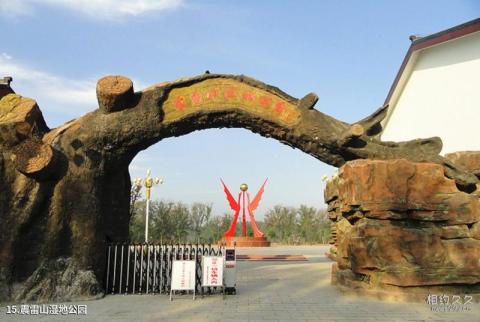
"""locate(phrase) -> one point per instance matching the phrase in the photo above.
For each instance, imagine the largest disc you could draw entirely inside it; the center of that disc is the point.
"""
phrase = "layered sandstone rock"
(468, 160)
(404, 226)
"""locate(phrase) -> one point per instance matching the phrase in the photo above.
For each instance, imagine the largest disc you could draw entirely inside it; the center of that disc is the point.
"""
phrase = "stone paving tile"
(267, 291)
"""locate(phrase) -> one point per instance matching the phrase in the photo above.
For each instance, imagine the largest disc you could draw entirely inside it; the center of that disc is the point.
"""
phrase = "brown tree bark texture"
(64, 192)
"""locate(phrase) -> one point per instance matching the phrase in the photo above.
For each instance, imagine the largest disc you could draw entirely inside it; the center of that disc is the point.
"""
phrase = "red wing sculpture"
(250, 207)
(235, 206)
(254, 204)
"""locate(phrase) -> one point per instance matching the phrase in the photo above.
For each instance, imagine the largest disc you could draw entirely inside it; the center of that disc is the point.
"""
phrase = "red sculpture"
(244, 197)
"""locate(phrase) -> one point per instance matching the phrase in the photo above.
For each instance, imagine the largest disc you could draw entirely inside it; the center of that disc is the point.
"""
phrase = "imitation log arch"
(68, 187)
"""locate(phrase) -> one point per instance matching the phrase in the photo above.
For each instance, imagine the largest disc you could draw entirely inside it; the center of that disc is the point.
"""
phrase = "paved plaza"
(266, 291)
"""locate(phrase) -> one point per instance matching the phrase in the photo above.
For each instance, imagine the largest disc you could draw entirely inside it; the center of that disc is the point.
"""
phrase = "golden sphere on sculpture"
(244, 187)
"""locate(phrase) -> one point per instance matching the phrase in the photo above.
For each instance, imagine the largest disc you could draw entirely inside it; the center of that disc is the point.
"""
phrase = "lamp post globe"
(148, 182)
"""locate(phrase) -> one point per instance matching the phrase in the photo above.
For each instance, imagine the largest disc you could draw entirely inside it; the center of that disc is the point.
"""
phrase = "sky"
(348, 52)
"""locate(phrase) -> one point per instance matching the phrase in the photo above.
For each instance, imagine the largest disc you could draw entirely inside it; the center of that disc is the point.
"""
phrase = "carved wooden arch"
(65, 190)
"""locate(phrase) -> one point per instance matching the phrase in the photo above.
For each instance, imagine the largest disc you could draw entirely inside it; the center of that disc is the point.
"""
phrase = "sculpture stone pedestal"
(245, 241)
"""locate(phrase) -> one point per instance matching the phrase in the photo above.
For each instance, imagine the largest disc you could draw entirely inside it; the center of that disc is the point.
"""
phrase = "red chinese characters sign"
(212, 271)
(183, 275)
(221, 94)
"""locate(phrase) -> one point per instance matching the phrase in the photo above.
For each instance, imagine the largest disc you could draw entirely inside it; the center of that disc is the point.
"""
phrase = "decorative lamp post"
(148, 182)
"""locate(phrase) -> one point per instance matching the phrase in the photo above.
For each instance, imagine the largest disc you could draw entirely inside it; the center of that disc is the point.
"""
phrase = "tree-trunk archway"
(65, 191)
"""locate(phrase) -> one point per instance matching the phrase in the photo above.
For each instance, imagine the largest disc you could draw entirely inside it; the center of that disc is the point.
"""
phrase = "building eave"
(432, 40)
(415, 48)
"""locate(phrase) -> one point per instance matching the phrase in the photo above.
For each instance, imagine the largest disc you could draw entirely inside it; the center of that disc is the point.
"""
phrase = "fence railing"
(147, 268)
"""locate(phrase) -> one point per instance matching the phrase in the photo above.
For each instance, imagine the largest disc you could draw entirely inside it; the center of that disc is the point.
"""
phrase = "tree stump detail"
(114, 93)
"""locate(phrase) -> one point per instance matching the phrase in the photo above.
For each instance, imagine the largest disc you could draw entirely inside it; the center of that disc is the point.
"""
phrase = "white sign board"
(183, 275)
(212, 270)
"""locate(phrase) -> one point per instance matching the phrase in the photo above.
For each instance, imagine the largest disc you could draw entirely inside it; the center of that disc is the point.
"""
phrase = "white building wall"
(441, 97)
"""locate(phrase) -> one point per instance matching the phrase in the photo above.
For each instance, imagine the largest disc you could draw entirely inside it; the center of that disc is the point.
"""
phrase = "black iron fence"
(147, 268)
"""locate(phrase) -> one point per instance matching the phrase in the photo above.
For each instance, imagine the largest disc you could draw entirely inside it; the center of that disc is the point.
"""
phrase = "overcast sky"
(348, 52)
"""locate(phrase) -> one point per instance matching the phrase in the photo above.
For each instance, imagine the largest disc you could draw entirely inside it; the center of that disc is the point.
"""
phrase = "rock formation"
(467, 160)
(403, 226)
(65, 191)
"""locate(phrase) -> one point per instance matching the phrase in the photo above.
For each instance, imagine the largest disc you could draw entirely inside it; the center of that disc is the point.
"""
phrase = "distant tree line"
(174, 222)
(302, 225)
(177, 222)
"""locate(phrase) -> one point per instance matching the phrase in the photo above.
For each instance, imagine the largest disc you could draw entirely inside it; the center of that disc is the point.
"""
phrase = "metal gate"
(147, 268)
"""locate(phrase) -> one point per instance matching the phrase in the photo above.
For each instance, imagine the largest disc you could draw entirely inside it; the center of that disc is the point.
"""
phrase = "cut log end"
(114, 93)
(354, 131)
(308, 101)
(33, 158)
(20, 117)
(357, 130)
